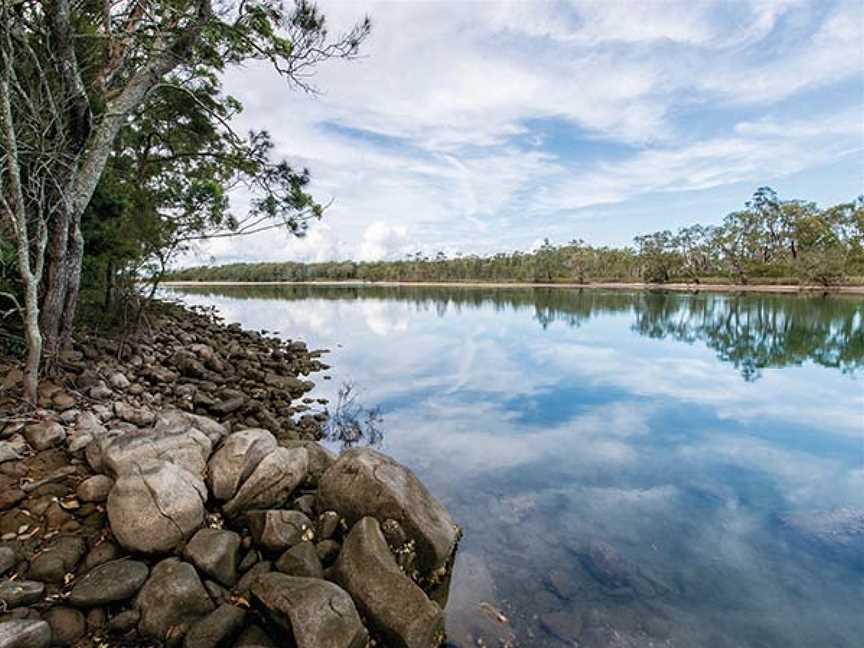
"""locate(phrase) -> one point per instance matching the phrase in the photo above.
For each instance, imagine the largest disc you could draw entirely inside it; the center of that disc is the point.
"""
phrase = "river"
(630, 468)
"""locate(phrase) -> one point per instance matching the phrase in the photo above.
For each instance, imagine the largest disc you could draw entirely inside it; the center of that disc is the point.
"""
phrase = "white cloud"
(446, 97)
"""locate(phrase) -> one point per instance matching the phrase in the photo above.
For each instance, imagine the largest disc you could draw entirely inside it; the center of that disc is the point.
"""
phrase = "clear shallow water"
(668, 433)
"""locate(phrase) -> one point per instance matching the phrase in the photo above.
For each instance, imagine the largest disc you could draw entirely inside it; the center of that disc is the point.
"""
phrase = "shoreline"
(612, 285)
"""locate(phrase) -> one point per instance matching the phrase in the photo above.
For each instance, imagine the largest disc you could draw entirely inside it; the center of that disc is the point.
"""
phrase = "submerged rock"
(364, 482)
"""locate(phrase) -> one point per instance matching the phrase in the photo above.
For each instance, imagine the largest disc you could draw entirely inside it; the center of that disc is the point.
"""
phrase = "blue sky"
(483, 126)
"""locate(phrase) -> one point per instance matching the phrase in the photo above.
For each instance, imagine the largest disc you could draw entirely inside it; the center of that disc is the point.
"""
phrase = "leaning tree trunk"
(74, 260)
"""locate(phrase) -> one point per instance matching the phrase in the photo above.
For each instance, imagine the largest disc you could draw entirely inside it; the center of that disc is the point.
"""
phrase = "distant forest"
(769, 241)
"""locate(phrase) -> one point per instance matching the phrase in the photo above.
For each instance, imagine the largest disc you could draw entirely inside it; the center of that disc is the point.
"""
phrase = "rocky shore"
(170, 490)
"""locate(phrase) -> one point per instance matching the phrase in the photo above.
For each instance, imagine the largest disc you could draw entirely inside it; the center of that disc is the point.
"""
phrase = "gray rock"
(119, 381)
(396, 607)
(25, 634)
(277, 529)
(174, 419)
(301, 560)
(156, 507)
(44, 435)
(316, 613)
(235, 461)
(187, 448)
(271, 483)
(111, 582)
(217, 593)
(320, 458)
(9, 452)
(328, 524)
(173, 597)
(100, 391)
(58, 559)
(94, 489)
(139, 416)
(216, 629)
(216, 553)
(17, 593)
(328, 551)
(364, 482)
(7, 560)
(305, 504)
(67, 625)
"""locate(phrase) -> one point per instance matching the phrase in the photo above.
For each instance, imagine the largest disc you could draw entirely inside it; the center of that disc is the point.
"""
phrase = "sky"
(484, 126)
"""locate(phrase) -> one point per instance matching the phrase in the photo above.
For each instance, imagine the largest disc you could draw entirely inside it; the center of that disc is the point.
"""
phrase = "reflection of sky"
(597, 431)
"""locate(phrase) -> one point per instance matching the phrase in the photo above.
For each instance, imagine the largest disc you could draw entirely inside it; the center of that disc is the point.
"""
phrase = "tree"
(73, 75)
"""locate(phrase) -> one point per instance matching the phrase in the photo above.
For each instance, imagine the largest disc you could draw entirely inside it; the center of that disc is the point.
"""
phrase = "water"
(669, 433)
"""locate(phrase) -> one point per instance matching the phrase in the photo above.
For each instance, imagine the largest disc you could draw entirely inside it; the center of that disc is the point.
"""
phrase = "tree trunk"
(55, 282)
(74, 260)
(109, 284)
(33, 337)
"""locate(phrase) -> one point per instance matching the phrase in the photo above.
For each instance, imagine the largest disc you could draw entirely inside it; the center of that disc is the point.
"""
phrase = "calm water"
(670, 433)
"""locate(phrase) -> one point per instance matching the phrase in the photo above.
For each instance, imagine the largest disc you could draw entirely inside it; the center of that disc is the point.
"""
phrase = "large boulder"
(24, 633)
(271, 483)
(186, 447)
(395, 606)
(173, 419)
(364, 482)
(172, 599)
(155, 507)
(235, 461)
(312, 613)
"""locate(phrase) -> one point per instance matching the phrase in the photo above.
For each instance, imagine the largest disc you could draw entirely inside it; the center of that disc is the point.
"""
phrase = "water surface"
(623, 463)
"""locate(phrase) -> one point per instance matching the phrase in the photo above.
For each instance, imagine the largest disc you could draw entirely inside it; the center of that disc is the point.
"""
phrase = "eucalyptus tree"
(72, 74)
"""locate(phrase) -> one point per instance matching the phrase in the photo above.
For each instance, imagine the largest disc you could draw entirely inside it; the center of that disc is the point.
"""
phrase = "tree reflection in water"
(752, 331)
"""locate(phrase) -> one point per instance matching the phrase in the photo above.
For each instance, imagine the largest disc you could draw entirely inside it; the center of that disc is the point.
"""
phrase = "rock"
(277, 530)
(271, 483)
(99, 555)
(67, 625)
(301, 560)
(364, 482)
(62, 401)
(254, 637)
(174, 419)
(44, 435)
(100, 391)
(119, 381)
(187, 448)
(7, 560)
(216, 629)
(96, 618)
(125, 621)
(8, 452)
(25, 633)
(328, 524)
(216, 553)
(395, 606)
(139, 416)
(235, 461)
(320, 458)
(226, 407)
(17, 593)
(156, 507)
(305, 504)
(111, 582)
(251, 577)
(608, 566)
(218, 594)
(315, 613)
(173, 597)
(58, 559)
(10, 497)
(565, 626)
(328, 551)
(94, 489)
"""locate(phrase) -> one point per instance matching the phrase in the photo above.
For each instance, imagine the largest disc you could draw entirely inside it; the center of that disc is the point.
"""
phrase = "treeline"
(770, 240)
